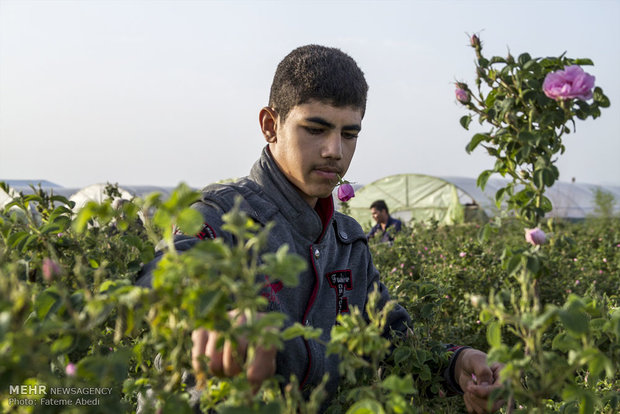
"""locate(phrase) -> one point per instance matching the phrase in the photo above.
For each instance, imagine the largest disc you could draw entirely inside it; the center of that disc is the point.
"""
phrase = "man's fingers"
(199, 344)
(215, 363)
(477, 398)
(233, 357)
(262, 367)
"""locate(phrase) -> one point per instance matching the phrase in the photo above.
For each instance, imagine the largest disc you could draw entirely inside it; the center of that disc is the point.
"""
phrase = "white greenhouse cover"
(569, 200)
(95, 192)
(6, 198)
(422, 197)
(411, 196)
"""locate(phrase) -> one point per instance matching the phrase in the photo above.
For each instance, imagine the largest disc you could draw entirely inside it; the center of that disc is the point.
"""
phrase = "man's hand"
(229, 361)
(477, 380)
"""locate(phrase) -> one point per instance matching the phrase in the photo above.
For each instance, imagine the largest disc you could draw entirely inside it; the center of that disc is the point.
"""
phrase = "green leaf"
(465, 121)
(190, 221)
(514, 264)
(564, 342)
(47, 302)
(526, 136)
(485, 315)
(15, 238)
(494, 334)
(600, 98)
(84, 215)
(575, 320)
(298, 329)
(401, 354)
(366, 406)
(399, 385)
(546, 205)
(499, 197)
(64, 344)
(476, 139)
(546, 318)
(583, 62)
(524, 58)
(283, 266)
(483, 178)
(498, 59)
(532, 264)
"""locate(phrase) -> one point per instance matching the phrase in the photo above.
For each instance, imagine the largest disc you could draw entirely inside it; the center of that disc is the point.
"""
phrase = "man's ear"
(268, 119)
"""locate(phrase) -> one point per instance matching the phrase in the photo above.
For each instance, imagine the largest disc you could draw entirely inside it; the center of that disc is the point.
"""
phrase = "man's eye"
(314, 131)
(349, 135)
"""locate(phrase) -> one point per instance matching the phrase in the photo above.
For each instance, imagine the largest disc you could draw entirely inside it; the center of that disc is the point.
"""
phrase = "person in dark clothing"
(386, 224)
(311, 125)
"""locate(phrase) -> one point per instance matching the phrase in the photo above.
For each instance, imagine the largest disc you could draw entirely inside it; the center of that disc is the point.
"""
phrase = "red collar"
(325, 209)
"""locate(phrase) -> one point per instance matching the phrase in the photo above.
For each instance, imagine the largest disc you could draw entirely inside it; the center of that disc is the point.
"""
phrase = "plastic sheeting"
(569, 200)
(450, 199)
(411, 197)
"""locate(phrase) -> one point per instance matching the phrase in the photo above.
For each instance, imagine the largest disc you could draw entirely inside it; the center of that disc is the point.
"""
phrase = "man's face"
(315, 145)
(380, 216)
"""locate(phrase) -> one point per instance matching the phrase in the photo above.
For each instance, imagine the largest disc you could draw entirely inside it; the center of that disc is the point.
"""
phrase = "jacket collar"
(311, 223)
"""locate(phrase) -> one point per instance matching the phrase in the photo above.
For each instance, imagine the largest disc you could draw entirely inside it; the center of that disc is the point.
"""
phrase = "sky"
(163, 92)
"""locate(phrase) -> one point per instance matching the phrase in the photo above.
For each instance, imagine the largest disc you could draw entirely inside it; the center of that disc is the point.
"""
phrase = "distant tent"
(412, 197)
(569, 200)
(95, 192)
(6, 198)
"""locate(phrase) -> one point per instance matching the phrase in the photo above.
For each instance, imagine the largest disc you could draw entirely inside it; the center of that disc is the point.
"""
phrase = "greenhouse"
(452, 200)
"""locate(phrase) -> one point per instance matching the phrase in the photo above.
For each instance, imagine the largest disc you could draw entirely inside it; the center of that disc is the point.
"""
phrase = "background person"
(387, 225)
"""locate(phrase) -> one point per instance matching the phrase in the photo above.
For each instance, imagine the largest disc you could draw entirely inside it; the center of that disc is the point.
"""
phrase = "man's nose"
(332, 147)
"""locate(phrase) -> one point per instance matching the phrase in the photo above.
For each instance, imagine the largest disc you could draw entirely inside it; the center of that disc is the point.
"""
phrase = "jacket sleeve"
(211, 229)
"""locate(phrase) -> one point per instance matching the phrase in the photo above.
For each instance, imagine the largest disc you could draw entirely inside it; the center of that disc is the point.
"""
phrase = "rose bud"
(474, 41)
(535, 236)
(461, 95)
(50, 269)
(70, 369)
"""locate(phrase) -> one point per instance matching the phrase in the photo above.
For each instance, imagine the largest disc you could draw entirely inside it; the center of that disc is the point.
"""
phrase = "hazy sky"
(159, 92)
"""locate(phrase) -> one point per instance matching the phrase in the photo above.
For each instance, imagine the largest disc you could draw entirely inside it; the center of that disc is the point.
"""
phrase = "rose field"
(70, 317)
(540, 295)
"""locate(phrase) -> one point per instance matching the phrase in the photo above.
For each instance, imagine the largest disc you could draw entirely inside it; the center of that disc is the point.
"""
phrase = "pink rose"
(50, 269)
(535, 236)
(572, 82)
(474, 41)
(70, 369)
(461, 95)
(345, 192)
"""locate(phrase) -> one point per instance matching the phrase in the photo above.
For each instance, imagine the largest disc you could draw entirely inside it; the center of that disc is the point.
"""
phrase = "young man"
(316, 106)
(385, 223)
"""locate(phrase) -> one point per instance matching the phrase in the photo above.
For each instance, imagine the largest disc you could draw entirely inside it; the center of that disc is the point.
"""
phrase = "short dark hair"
(321, 73)
(380, 205)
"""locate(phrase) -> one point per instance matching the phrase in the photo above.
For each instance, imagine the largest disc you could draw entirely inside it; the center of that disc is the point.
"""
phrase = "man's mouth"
(328, 172)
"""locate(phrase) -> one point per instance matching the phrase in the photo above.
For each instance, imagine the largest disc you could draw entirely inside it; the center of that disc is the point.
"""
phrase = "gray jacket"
(339, 274)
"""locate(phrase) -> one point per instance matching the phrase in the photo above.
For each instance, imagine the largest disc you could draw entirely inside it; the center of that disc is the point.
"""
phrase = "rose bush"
(527, 103)
(88, 327)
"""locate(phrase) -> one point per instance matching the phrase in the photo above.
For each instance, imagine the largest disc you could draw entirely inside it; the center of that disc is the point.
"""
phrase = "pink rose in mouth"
(345, 192)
